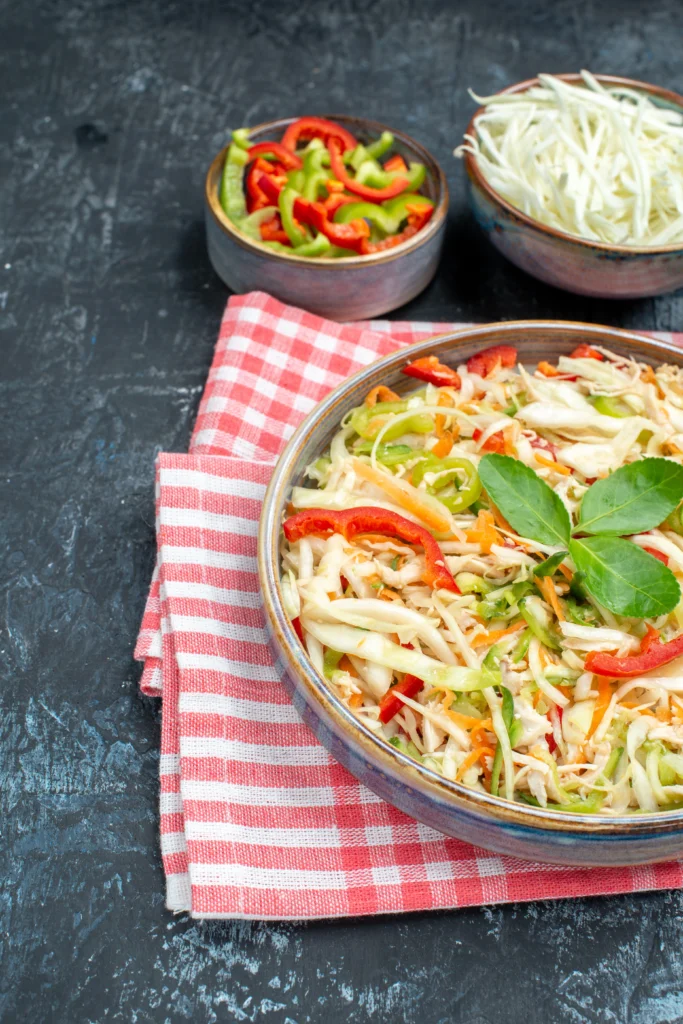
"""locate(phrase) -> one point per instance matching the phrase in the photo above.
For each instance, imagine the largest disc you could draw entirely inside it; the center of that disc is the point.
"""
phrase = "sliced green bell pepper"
(240, 137)
(380, 146)
(232, 183)
(295, 234)
(250, 224)
(449, 471)
(368, 420)
(387, 454)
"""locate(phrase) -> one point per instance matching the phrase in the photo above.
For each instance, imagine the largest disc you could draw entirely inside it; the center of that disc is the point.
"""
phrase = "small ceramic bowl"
(575, 264)
(351, 288)
(479, 818)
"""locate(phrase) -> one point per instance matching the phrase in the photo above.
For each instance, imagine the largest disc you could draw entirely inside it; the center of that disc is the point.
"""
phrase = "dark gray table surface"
(108, 315)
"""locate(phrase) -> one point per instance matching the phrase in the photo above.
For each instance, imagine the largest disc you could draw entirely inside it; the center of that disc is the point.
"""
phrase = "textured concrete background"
(108, 314)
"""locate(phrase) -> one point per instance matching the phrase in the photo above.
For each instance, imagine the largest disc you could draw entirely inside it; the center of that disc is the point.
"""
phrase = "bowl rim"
(476, 174)
(435, 224)
(379, 752)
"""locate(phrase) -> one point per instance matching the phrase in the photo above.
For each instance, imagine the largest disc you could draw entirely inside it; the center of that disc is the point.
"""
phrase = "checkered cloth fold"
(257, 820)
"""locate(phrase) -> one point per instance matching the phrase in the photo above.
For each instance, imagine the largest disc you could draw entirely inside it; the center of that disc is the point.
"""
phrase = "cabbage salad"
(486, 572)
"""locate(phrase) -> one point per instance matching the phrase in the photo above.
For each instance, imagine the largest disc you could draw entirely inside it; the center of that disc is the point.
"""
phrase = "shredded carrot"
(551, 464)
(387, 594)
(495, 635)
(473, 756)
(484, 532)
(543, 657)
(355, 700)
(664, 715)
(566, 691)
(509, 443)
(346, 666)
(332, 185)
(648, 375)
(545, 585)
(406, 496)
(440, 421)
(566, 572)
(601, 704)
(381, 394)
(500, 519)
(539, 693)
(547, 370)
(468, 721)
(444, 444)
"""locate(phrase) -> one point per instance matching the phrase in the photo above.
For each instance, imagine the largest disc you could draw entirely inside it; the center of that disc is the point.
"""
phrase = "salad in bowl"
(486, 572)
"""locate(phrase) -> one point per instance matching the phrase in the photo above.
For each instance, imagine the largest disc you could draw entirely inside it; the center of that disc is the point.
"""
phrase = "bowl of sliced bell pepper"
(339, 215)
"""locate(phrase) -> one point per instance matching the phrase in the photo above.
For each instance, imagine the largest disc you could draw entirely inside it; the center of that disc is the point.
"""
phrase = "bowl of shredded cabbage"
(578, 180)
(471, 561)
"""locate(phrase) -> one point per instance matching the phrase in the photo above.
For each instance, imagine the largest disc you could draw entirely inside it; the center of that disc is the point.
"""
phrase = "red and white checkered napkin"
(257, 820)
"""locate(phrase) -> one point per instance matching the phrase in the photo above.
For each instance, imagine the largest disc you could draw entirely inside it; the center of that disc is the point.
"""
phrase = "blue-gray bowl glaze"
(352, 288)
(492, 822)
(566, 261)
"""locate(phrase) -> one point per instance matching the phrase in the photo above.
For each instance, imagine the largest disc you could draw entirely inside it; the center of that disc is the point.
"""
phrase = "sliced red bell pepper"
(375, 195)
(417, 218)
(653, 654)
(657, 554)
(272, 231)
(335, 200)
(494, 443)
(429, 369)
(288, 159)
(258, 198)
(552, 742)
(346, 236)
(298, 629)
(306, 128)
(390, 704)
(354, 521)
(583, 351)
(492, 359)
(396, 165)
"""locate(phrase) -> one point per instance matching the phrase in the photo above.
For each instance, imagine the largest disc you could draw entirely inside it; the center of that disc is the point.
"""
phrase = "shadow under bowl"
(350, 288)
(449, 807)
(575, 264)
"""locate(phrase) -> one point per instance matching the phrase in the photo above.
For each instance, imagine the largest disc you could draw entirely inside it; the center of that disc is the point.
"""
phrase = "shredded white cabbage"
(598, 162)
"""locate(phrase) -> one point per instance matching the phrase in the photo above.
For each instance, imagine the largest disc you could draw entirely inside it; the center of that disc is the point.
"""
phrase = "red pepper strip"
(552, 742)
(390, 704)
(417, 218)
(586, 352)
(317, 128)
(375, 195)
(434, 372)
(346, 236)
(288, 159)
(494, 443)
(653, 654)
(491, 359)
(354, 521)
(298, 629)
(254, 191)
(271, 231)
(657, 554)
(396, 164)
(337, 199)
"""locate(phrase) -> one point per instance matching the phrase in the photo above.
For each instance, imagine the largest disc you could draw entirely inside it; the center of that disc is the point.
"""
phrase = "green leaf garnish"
(548, 567)
(529, 505)
(633, 499)
(624, 578)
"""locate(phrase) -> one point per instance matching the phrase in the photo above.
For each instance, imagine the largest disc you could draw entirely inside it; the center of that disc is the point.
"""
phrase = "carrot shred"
(443, 446)
(602, 703)
(468, 721)
(495, 635)
(380, 394)
(484, 532)
(440, 421)
(551, 464)
(473, 756)
(346, 666)
(355, 700)
(545, 585)
(547, 370)
(566, 572)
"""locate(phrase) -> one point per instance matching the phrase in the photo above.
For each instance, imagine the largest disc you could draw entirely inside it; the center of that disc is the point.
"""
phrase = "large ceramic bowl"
(450, 807)
(575, 264)
(352, 288)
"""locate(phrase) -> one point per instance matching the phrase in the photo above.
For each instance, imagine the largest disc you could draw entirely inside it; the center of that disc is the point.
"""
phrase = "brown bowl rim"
(454, 794)
(350, 262)
(476, 174)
